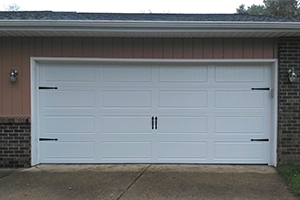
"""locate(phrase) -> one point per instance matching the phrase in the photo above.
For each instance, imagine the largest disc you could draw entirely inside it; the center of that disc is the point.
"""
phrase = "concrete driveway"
(143, 181)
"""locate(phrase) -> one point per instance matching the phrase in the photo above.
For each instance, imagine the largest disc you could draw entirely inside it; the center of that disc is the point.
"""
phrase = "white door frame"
(35, 61)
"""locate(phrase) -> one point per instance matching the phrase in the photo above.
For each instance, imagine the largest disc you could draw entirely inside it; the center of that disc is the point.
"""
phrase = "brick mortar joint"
(15, 120)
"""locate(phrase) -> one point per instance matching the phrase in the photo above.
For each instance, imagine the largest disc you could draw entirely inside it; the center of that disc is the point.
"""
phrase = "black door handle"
(152, 122)
(156, 122)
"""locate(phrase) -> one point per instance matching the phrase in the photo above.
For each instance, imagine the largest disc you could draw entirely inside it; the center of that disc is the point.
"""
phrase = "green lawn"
(291, 173)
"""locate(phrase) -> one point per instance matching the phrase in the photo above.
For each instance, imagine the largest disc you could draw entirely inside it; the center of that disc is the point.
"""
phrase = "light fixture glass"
(13, 75)
(292, 75)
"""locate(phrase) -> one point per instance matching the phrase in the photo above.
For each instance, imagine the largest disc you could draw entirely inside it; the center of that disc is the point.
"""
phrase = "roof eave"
(91, 28)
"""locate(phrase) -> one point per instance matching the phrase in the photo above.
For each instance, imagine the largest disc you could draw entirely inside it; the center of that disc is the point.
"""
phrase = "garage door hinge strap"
(47, 88)
(260, 140)
(260, 88)
(48, 139)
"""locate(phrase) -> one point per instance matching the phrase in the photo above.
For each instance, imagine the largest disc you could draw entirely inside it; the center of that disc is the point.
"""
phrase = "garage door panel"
(68, 151)
(239, 99)
(126, 99)
(69, 124)
(229, 74)
(182, 150)
(182, 99)
(126, 125)
(127, 73)
(183, 74)
(68, 99)
(182, 125)
(126, 150)
(240, 151)
(67, 73)
(239, 125)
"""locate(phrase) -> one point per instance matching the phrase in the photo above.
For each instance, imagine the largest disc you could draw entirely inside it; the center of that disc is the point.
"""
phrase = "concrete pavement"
(143, 181)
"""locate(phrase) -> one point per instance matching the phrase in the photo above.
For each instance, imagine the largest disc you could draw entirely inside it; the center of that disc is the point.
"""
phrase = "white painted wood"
(206, 120)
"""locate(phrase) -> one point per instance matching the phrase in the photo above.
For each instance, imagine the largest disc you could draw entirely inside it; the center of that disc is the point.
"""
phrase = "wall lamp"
(13, 75)
(292, 75)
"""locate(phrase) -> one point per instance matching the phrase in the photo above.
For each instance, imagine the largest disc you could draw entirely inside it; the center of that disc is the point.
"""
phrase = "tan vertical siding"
(16, 52)
(67, 47)
(228, 48)
(16, 105)
(87, 47)
(178, 48)
(57, 47)
(26, 52)
(158, 48)
(77, 47)
(7, 86)
(128, 45)
(137, 48)
(198, 49)
(188, 48)
(148, 50)
(218, 48)
(47, 47)
(258, 48)
(248, 48)
(208, 48)
(168, 48)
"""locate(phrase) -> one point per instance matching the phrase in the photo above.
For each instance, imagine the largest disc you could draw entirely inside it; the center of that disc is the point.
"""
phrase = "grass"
(291, 173)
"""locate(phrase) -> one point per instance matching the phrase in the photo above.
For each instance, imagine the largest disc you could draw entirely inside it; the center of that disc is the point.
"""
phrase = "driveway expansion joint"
(133, 182)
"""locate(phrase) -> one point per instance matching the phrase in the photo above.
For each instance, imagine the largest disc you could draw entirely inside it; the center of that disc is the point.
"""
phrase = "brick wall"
(289, 102)
(14, 142)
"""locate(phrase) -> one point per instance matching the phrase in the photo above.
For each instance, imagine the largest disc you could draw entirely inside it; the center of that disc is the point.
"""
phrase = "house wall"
(288, 102)
(16, 52)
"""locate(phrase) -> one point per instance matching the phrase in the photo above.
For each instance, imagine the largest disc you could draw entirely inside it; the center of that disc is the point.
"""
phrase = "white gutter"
(142, 28)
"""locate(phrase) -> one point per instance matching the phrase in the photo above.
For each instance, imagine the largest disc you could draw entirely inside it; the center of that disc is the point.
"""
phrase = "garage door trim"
(36, 61)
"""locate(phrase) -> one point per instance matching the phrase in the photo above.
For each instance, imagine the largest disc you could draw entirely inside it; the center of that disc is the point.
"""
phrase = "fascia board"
(147, 26)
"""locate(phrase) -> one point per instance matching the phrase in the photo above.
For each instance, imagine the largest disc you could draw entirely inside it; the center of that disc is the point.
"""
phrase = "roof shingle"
(49, 15)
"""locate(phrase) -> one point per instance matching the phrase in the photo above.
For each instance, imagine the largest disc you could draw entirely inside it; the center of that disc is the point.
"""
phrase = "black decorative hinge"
(260, 88)
(47, 88)
(48, 139)
(259, 140)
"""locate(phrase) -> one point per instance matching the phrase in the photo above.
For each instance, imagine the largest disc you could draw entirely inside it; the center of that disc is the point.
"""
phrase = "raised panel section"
(69, 124)
(126, 99)
(182, 125)
(239, 99)
(70, 99)
(126, 150)
(239, 74)
(182, 150)
(239, 125)
(239, 150)
(69, 150)
(188, 74)
(69, 73)
(182, 99)
(126, 125)
(126, 73)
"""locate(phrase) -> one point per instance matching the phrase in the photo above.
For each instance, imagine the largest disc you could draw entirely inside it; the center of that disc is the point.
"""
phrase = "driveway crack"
(133, 182)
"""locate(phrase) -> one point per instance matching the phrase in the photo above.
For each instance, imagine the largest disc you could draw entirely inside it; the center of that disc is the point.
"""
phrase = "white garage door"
(154, 113)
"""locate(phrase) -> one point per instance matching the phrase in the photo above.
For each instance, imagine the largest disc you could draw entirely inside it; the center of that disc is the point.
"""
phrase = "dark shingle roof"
(49, 15)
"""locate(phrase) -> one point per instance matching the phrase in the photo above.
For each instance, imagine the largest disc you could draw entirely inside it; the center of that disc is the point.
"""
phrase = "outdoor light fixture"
(13, 75)
(292, 75)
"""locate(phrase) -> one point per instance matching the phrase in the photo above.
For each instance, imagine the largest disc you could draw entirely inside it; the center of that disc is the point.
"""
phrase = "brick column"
(288, 102)
(15, 142)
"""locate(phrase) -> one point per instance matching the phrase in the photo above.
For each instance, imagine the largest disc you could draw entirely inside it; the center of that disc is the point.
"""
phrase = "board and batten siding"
(16, 52)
